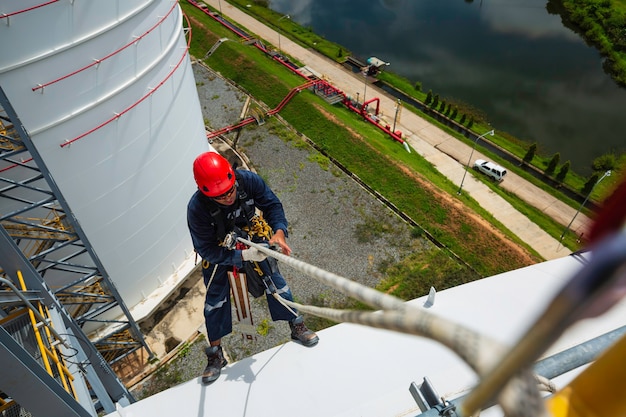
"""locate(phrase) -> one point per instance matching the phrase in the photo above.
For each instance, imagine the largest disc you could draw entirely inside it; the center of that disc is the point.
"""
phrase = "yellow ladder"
(50, 355)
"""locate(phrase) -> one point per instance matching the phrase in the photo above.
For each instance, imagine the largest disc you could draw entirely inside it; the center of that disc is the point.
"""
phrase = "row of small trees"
(447, 109)
(600, 165)
(552, 165)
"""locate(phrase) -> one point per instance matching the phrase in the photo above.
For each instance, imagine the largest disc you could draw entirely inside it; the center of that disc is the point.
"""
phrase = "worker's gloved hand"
(253, 255)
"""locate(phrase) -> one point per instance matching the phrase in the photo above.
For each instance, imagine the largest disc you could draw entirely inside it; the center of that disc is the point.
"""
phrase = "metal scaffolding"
(42, 242)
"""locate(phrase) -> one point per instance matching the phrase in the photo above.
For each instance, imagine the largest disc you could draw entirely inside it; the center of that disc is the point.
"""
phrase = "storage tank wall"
(118, 137)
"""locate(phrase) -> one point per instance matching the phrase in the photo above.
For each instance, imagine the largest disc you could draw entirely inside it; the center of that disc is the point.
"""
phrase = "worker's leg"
(217, 307)
(217, 317)
(278, 311)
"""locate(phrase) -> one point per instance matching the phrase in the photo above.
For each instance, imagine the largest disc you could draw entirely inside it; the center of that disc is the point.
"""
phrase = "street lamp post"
(396, 116)
(220, 4)
(606, 174)
(285, 16)
(364, 90)
(469, 161)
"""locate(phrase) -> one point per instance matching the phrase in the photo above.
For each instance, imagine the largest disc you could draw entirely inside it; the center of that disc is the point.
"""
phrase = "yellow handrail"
(47, 354)
(33, 322)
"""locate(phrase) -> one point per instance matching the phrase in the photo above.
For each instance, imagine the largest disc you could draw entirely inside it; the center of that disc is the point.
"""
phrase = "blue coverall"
(218, 260)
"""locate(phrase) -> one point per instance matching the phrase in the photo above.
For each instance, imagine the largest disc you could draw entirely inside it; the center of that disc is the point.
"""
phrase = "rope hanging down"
(520, 397)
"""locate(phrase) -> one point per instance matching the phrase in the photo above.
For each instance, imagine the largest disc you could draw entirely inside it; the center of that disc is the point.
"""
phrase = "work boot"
(301, 333)
(216, 363)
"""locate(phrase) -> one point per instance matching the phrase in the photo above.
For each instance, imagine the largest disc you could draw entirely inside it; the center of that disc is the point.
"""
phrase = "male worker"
(225, 202)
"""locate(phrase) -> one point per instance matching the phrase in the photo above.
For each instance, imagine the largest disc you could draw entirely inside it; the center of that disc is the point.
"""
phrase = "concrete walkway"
(445, 152)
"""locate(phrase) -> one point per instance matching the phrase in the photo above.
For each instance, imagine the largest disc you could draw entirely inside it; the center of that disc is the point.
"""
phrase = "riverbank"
(598, 23)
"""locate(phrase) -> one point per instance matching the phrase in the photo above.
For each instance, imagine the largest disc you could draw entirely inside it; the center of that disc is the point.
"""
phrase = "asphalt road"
(445, 152)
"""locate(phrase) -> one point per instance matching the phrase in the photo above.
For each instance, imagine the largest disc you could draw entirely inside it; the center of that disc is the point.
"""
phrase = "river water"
(518, 64)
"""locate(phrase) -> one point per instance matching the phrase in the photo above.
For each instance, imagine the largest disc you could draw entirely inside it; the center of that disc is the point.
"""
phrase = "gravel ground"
(334, 223)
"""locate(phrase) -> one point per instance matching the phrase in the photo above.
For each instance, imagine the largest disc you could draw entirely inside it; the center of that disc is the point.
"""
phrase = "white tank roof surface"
(359, 371)
(106, 91)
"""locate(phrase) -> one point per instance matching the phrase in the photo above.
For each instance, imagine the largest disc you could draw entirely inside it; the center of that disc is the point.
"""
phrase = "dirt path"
(445, 152)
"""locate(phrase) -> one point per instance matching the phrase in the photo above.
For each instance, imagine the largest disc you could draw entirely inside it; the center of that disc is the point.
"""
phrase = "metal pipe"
(578, 355)
(560, 363)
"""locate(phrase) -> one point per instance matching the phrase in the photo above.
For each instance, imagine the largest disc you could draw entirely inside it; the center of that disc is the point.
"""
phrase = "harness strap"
(222, 223)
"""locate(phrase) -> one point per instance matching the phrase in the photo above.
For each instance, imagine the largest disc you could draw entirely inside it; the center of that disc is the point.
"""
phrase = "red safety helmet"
(213, 173)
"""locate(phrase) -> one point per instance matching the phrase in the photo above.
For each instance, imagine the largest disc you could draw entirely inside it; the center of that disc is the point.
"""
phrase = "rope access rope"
(597, 287)
(593, 290)
(520, 397)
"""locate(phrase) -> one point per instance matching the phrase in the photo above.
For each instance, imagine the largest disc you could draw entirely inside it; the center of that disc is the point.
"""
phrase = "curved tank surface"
(106, 91)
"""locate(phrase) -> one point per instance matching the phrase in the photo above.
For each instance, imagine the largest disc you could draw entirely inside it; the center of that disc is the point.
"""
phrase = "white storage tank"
(106, 91)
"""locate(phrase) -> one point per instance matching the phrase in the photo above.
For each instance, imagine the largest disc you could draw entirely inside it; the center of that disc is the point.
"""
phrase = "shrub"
(604, 162)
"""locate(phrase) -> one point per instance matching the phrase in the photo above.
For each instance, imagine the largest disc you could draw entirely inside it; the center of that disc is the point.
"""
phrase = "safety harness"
(224, 225)
(256, 229)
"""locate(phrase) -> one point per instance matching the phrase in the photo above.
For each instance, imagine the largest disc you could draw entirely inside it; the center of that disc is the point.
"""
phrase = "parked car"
(490, 169)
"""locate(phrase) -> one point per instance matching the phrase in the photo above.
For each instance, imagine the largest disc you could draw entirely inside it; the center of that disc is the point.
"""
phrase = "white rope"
(545, 384)
(520, 397)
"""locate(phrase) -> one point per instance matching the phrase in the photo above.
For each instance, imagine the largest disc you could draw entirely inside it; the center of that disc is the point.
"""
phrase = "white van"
(490, 169)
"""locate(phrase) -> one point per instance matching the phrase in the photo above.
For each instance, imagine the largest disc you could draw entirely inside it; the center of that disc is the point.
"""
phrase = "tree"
(418, 86)
(442, 106)
(454, 113)
(470, 123)
(553, 163)
(560, 177)
(462, 119)
(530, 154)
(435, 101)
(591, 182)
(429, 97)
